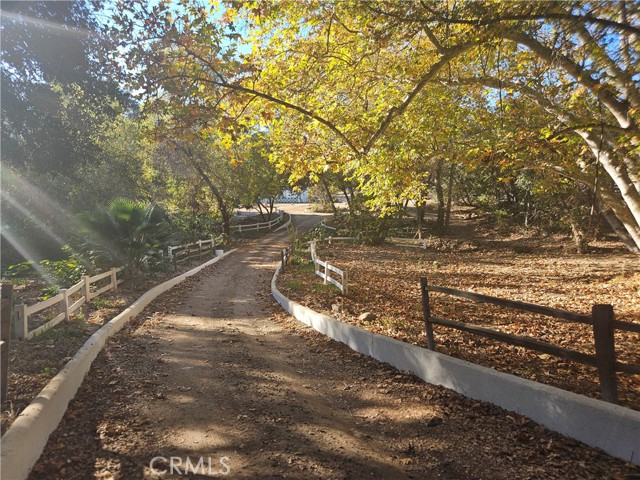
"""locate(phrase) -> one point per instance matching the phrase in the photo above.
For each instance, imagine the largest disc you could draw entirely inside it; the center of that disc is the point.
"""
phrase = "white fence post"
(199, 248)
(114, 279)
(86, 288)
(64, 303)
(326, 266)
(20, 325)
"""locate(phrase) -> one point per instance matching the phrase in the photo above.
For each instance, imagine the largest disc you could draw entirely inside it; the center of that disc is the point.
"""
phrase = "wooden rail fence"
(182, 253)
(258, 226)
(601, 319)
(324, 274)
(22, 312)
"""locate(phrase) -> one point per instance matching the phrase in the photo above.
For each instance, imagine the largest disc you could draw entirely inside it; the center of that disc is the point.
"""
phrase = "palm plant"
(125, 232)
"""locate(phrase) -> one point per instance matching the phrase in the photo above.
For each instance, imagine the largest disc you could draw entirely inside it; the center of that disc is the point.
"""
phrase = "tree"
(55, 102)
(352, 69)
(262, 181)
(54, 89)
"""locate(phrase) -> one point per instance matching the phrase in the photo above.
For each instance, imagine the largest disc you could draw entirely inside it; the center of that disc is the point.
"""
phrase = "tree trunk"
(222, 206)
(447, 217)
(272, 202)
(619, 229)
(624, 224)
(420, 209)
(264, 212)
(329, 196)
(440, 224)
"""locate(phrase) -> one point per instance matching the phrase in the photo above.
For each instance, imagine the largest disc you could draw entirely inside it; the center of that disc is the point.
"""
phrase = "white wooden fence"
(327, 227)
(324, 274)
(414, 231)
(258, 226)
(23, 312)
(202, 246)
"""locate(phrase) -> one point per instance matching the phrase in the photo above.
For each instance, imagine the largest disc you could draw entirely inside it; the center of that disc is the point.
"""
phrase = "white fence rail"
(180, 253)
(23, 312)
(414, 231)
(327, 267)
(408, 242)
(209, 244)
(176, 254)
(258, 226)
(327, 227)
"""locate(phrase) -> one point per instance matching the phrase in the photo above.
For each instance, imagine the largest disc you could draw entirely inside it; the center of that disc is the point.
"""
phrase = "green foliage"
(296, 241)
(367, 227)
(65, 272)
(124, 232)
(19, 270)
(62, 273)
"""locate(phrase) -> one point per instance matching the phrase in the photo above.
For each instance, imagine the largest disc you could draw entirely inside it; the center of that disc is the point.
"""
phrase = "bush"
(366, 227)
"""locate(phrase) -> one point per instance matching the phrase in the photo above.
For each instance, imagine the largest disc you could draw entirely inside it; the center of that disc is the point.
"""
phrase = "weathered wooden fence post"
(5, 334)
(86, 288)
(114, 278)
(605, 351)
(426, 312)
(326, 273)
(345, 289)
(20, 321)
(64, 304)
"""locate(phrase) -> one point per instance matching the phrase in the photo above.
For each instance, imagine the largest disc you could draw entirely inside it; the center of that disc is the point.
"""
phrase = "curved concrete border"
(612, 428)
(286, 224)
(25, 440)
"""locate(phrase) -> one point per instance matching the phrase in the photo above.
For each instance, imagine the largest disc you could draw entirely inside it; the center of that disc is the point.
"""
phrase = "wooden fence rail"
(327, 267)
(22, 312)
(258, 226)
(601, 319)
(182, 253)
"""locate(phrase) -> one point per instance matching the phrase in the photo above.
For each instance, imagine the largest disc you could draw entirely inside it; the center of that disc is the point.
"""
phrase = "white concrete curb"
(282, 227)
(25, 440)
(612, 428)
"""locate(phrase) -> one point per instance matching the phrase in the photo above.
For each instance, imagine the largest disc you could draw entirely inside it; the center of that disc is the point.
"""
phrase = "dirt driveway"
(214, 377)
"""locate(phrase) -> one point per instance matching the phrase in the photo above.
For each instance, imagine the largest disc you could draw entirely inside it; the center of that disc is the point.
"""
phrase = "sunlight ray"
(39, 22)
(41, 207)
(22, 249)
(43, 203)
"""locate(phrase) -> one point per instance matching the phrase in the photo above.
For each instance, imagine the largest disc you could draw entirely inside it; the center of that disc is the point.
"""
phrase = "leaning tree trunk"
(222, 206)
(619, 229)
(329, 196)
